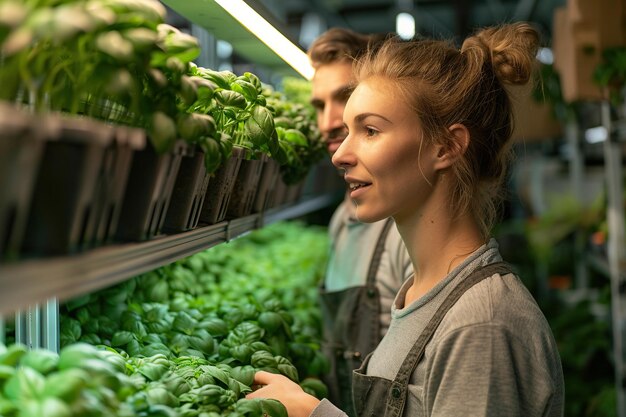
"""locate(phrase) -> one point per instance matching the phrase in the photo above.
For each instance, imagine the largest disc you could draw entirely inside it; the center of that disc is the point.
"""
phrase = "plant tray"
(269, 176)
(111, 183)
(245, 188)
(293, 193)
(21, 146)
(148, 192)
(278, 193)
(220, 189)
(188, 195)
(62, 208)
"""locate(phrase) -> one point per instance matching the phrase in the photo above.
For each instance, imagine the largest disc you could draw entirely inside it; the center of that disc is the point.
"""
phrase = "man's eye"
(317, 105)
(343, 95)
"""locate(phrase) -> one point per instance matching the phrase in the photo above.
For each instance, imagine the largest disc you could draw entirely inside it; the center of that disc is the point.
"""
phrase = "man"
(368, 262)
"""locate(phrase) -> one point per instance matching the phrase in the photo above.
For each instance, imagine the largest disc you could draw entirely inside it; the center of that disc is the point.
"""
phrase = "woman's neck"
(436, 245)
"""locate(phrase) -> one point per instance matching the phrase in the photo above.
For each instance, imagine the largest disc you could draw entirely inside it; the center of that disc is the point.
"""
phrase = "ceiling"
(303, 20)
(451, 19)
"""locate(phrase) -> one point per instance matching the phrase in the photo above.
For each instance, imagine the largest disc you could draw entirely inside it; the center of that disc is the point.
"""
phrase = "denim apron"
(351, 328)
(379, 397)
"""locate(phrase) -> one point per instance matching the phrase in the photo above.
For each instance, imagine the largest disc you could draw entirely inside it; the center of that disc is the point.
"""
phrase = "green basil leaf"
(141, 38)
(162, 132)
(254, 80)
(66, 385)
(273, 408)
(248, 90)
(212, 155)
(260, 126)
(113, 44)
(26, 383)
(122, 338)
(243, 374)
(296, 137)
(228, 98)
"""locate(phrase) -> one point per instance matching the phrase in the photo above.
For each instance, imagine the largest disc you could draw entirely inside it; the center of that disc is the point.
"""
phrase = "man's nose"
(332, 118)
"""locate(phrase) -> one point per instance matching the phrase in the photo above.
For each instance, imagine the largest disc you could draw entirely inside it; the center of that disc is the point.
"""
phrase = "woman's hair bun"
(510, 48)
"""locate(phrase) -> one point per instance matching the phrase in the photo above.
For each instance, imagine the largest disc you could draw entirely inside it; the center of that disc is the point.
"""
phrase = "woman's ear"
(449, 153)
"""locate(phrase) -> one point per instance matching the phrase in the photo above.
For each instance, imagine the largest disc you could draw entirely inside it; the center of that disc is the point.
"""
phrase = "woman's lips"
(356, 192)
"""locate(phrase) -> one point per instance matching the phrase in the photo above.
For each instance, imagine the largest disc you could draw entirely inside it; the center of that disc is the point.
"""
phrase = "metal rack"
(33, 288)
(616, 252)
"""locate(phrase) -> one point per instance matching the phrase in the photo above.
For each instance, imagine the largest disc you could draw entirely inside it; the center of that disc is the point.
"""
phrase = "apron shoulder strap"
(378, 252)
(417, 351)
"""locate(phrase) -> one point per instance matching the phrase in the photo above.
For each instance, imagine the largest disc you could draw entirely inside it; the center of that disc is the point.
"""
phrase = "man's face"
(330, 91)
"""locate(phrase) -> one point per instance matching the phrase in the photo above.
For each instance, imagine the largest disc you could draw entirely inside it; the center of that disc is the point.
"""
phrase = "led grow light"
(269, 35)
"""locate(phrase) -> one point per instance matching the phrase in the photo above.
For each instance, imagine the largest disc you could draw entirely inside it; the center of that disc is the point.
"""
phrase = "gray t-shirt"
(492, 355)
(353, 245)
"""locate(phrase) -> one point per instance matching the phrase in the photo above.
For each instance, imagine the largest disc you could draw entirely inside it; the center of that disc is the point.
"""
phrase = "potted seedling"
(34, 52)
(300, 141)
(247, 137)
(259, 136)
(113, 60)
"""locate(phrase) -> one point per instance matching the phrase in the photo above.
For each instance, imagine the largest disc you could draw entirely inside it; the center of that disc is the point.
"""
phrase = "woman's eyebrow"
(363, 116)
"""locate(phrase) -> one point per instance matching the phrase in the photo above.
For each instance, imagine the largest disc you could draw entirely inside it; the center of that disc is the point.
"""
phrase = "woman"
(429, 131)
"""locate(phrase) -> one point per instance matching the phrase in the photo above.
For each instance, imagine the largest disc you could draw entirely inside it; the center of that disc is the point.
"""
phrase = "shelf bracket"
(38, 326)
(27, 327)
(50, 327)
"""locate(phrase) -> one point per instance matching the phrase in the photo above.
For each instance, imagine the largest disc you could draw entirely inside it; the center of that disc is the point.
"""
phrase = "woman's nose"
(343, 157)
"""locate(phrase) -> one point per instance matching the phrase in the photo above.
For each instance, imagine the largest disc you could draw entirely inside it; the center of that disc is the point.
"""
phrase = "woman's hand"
(278, 387)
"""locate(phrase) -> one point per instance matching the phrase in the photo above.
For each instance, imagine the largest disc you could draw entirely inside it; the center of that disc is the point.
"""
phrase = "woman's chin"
(368, 217)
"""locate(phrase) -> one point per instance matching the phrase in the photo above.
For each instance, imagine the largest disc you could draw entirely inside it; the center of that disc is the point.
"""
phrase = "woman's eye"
(370, 132)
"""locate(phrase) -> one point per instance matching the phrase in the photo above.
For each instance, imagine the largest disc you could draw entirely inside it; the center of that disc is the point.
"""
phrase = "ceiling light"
(405, 25)
(545, 56)
(224, 49)
(596, 134)
(269, 35)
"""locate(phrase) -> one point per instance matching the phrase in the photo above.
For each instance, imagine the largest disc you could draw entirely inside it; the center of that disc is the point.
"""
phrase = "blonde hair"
(445, 85)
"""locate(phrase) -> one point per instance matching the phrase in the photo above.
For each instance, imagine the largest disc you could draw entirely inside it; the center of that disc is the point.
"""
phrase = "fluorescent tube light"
(255, 23)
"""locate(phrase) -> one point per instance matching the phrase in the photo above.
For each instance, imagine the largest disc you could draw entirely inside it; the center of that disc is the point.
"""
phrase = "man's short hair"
(341, 44)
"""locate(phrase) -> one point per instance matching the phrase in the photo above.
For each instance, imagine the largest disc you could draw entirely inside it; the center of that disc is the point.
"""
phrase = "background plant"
(611, 73)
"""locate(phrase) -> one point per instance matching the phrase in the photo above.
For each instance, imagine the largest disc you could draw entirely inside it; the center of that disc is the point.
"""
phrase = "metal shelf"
(30, 282)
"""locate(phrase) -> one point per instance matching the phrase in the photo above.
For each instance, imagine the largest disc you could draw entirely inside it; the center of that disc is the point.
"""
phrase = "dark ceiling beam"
(332, 18)
(376, 8)
(427, 21)
(297, 9)
(497, 9)
(463, 10)
(525, 9)
(428, 24)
